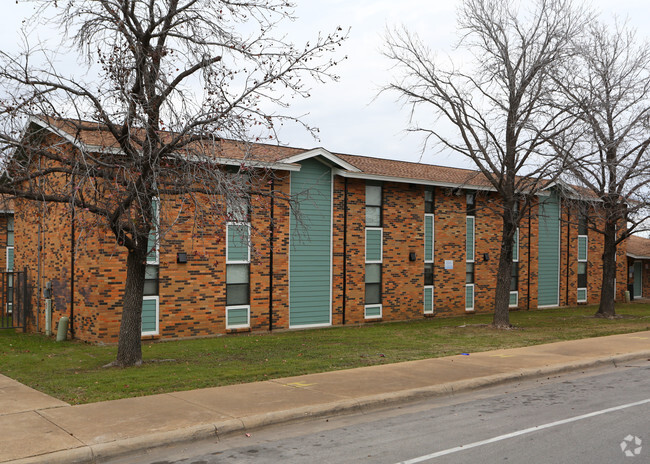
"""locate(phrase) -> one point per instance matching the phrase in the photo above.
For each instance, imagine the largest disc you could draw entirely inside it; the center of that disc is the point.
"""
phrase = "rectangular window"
(469, 273)
(10, 243)
(583, 245)
(373, 204)
(429, 200)
(428, 274)
(582, 275)
(515, 246)
(237, 284)
(373, 284)
(469, 238)
(238, 209)
(582, 225)
(151, 280)
(470, 199)
(514, 277)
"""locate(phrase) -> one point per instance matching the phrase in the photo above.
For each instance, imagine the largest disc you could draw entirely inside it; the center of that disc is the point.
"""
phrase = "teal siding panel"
(237, 317)
(582, 248)
(428, 238)
(237, 243)
(549, 251)
(638, 275)
(469, 245)
(428, 300)
(310, 251)
(373, 245)
(149, 315)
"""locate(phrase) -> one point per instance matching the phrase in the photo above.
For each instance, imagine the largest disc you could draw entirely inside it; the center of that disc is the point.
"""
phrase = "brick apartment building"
(378, 240)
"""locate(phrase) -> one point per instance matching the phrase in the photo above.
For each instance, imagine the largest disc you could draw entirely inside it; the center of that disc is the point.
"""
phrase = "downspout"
(72, 263)
(271, 230)
(345, 248)
(568, 241)
(530, 237)
(38, 278)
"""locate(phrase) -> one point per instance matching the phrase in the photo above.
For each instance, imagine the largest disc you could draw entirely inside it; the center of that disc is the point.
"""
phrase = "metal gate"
(14, 300)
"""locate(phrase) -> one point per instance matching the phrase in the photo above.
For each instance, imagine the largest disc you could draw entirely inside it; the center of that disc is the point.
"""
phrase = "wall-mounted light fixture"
(181, 258)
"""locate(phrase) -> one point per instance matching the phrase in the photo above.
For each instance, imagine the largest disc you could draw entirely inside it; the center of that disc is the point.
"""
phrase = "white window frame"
(469, 309)
(586, 237)
(7, 258)
(156, 246)
(467, 259)
(516, 293)
(586, 260)
(381, 245)
(248, 322)
(433, 305)
(381, 311)
(157, 299)
(516, 246)
(433, 238)
(248, 248)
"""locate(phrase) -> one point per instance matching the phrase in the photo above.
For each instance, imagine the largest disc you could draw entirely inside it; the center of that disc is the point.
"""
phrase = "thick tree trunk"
(607, 288)
(129, 348)
(501, 317)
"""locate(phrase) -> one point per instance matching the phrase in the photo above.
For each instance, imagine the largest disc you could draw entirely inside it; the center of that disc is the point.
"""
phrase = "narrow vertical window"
(237, 275)
(514, 273)
(429, 245)
(374, 250)
(470, 250)
(373, 204)
(10, 264)
(583, 245)
(150, 296)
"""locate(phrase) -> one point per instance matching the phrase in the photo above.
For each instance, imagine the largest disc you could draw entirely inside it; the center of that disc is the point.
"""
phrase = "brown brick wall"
(192, 295)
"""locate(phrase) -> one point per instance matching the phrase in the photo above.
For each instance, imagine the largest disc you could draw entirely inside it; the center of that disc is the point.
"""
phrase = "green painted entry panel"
(638, 276)
(549, 252)
(310, 258)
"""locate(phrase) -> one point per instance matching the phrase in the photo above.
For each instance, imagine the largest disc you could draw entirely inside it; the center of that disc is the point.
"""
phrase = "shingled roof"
(638, 247)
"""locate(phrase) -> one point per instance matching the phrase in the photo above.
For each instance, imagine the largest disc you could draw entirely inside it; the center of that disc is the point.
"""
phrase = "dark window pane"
(470, 199)
(582, 275)
(514, 277)
(428, 274)
(373, 293)
(428, 201)
(150, 287)
(582, 225)
(237, 294)
(469, 273)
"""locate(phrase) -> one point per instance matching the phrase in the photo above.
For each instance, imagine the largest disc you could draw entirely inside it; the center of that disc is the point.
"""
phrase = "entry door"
(638, 282)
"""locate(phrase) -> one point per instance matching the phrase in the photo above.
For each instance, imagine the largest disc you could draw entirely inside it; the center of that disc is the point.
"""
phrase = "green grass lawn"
(73, 372)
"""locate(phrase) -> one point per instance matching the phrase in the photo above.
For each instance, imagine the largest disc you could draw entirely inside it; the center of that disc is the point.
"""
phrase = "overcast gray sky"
(351, 118)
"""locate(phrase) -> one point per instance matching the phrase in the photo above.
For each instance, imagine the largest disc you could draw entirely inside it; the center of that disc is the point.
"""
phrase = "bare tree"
(162, 84)
(608, 83)
(499, 108)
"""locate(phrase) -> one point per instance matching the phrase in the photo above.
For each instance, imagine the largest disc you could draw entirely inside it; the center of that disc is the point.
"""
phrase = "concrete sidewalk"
(35, 428)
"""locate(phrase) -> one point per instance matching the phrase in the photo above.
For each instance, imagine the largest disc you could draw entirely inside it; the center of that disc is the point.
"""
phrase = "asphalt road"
(592, 417)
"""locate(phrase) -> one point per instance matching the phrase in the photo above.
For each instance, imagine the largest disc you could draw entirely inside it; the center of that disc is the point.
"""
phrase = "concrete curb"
(104, 451)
